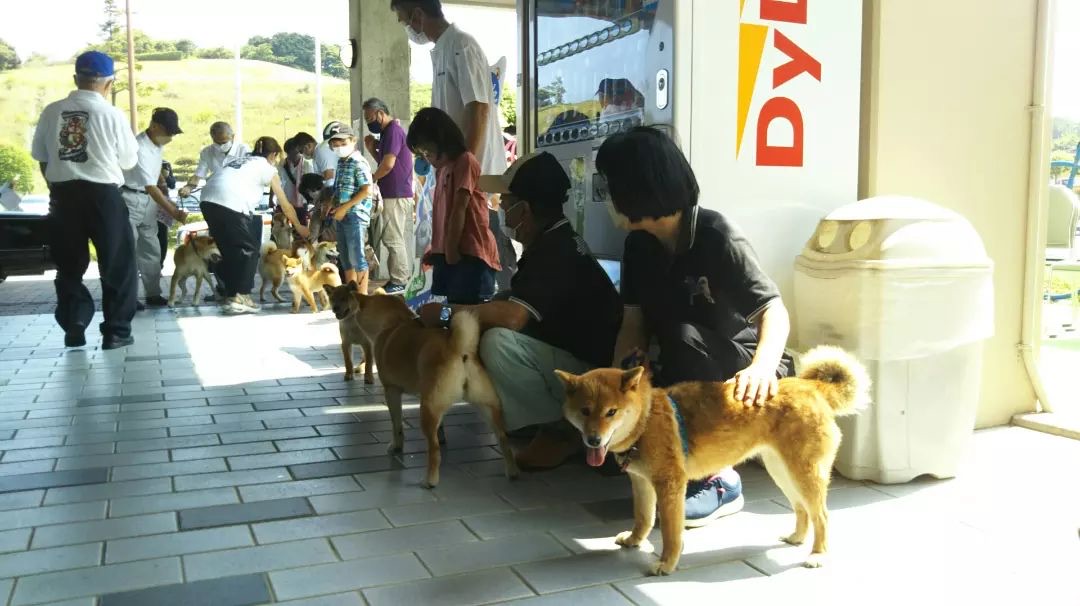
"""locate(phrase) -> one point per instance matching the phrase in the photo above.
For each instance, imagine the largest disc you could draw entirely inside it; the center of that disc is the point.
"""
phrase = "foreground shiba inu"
(272, 265)
(310, 285)
(193, 259)
(665, 437)
(350, 331)
(441, 366)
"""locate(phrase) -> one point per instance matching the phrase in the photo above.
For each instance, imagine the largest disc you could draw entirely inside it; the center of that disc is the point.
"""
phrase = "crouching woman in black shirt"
(692, 283)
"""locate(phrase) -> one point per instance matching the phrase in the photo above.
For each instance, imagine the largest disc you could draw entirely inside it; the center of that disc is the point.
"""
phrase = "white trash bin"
(907, 287)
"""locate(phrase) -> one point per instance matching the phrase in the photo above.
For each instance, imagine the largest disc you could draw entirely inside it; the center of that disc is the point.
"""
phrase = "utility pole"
(131, 69)
(318, 84)
(239, 127)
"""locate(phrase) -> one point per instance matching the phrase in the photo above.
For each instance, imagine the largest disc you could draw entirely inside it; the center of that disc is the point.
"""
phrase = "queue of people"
(692, 287)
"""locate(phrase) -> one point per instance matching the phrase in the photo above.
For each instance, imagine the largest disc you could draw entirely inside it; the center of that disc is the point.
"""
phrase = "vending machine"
(596, 68)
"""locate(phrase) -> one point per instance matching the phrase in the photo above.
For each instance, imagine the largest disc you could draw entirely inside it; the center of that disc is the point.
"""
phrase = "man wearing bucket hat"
(84, 144)
(562, 311)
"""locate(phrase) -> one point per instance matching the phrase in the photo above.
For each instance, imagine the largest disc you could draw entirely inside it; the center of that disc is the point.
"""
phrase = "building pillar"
(382, 59)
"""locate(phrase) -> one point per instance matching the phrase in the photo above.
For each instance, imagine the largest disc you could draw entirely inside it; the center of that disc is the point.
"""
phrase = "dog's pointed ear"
(353, 285)
(569, 381)
(631, 378)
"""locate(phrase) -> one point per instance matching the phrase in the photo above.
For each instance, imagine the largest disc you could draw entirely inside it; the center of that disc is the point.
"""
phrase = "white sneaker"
(249, 302)
(236, 306)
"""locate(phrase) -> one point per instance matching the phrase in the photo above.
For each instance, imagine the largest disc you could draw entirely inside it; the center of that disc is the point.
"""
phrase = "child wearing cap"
(464, 256)
(353, 202)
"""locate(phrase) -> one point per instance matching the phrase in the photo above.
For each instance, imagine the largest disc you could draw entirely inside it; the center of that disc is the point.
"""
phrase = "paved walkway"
(222, 460)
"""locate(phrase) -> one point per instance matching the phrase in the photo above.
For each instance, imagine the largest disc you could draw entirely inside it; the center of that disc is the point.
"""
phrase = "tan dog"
(272, 270)
(441, 366)
(192, 259)
(310, 285)
(315, 255)
(351, 333)
(794, 433)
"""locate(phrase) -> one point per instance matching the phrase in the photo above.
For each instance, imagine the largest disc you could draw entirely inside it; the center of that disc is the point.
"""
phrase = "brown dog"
(794, 432)
(192, 259)
(272, 270)
(310, 285)
(441, 366)
(351, 333)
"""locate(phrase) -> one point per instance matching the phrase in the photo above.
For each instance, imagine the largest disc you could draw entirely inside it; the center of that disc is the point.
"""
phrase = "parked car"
(24, 235)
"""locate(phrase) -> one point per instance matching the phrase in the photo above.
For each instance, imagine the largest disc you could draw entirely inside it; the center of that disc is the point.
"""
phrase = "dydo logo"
(752, 39)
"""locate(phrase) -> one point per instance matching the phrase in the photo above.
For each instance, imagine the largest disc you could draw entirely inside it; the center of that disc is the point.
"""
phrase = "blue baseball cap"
(94, 64)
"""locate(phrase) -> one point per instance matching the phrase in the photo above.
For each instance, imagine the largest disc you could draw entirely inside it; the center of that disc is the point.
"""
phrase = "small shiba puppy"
(310, 284)
(192, 259)
(441, 366)
(351, 333)
(272, 263)
(315, 255)
(664, 437)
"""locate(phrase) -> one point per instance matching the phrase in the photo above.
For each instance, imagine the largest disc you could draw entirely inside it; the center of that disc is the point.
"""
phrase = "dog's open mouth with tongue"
(595, 456)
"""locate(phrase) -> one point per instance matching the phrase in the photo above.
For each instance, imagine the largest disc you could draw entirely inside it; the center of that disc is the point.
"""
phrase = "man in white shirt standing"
(462, 88)
(143, 198)
(213, 156)
(84, 145)
(325, 158)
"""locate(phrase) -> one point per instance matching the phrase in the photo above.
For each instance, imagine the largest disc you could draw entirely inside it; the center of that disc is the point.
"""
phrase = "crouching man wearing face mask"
(562, 313)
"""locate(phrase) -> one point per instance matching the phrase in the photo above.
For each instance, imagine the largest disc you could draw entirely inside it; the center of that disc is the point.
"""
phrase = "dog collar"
(625, 458)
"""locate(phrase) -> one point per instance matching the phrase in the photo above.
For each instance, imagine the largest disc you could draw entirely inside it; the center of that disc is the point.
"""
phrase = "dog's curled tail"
(847, 384)
(268, 247)
(465, 334)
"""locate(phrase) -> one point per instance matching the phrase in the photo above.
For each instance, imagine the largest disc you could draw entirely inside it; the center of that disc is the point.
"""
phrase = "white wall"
(945, 91)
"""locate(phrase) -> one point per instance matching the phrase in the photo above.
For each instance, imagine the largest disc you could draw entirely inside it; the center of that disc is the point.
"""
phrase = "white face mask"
(225, 147)
(344, 151)
(417, 37)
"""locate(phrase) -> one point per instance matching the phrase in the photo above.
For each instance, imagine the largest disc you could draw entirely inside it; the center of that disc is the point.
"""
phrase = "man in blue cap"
(84, 144)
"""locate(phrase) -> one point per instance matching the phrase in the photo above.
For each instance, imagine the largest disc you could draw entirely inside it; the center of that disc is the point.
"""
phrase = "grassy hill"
(200, 90)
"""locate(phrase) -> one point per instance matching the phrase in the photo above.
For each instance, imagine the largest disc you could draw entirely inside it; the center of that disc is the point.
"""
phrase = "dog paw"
(793, 540)
(662, 568)
(816, 560)
(626, 539)
(369, 380)
(348, 377)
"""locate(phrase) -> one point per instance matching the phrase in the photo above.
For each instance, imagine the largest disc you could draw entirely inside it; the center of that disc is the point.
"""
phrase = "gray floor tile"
(398, 540)
(27, 467)
(225, 450)
(172, 501)
(115, 436)
(517, 522)
(296, 457)
(433, 512)
(20, 500)
(218, 428)
(171, 423)
(85, 532)
(246, 590)
(53, 514)
(463, 590)
(166, 443)
(244, 513)
(94, 581)
(342, 468)
(345, 576)
(320, 526)
(372, 499)
(53, 479)
(138, 472)
(231, 478)
(299, 488)
(338, 599)
(506, 551)
(200, 409)
(176, 543)
(93, 492)
(602, 595)
(50, 560)
(31, 443)
(592, 568)
(263, 558)
(11, 456)
(112, 460)
(268, 434)
(15, 540)
(131, 399)
(327, 442)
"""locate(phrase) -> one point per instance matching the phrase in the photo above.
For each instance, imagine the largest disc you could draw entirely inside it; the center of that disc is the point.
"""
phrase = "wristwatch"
(444, 315)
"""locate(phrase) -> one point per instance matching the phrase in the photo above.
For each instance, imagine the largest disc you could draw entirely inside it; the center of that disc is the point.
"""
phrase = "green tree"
(552, 94)
(17, 168)
(187, 47)
(215, 53)
(331, 62)
(8, 58)
(111, 26)
(262, 52)
(508, 106)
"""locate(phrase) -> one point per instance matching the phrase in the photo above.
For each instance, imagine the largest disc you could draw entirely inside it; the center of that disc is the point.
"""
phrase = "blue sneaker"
(713, 498)
(394, 289)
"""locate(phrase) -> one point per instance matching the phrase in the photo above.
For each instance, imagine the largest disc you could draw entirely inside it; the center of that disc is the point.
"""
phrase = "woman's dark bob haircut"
(433, 130)
(647, 174)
